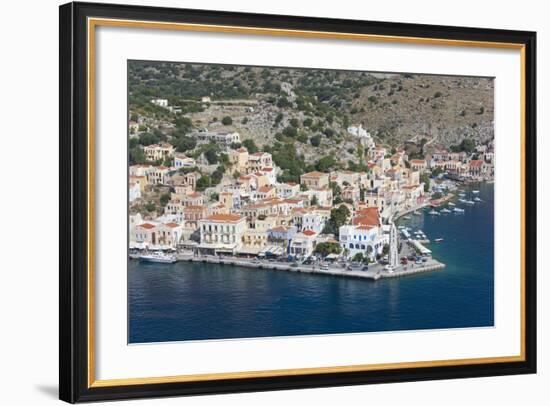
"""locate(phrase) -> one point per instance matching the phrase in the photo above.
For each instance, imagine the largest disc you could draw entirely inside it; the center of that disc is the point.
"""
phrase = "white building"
(367, 240)
(183, 161)
(303, 244)
(226, 138)
(160, 102)
(222, 233)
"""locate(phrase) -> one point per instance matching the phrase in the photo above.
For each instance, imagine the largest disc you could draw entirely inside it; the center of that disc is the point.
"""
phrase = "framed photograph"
(257, 202)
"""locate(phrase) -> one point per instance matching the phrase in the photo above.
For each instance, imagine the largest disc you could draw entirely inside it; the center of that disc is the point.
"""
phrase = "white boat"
(433, 213)
(452, 204)
(477, 199)
(438, 240)
(445, 210)
(407, 217)
(470, 202)
(458, 210)
(475, 191)
(416, 213)
(158, 257)
(462, 194)
(462, 200)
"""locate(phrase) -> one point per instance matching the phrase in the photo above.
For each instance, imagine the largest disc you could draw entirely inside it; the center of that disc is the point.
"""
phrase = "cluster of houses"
(250, 213)
(460, 165)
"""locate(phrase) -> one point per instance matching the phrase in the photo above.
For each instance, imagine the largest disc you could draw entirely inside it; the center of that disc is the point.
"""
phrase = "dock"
(374, 272)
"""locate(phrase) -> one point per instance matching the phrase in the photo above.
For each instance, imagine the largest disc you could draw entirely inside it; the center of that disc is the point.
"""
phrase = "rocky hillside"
(313, 108)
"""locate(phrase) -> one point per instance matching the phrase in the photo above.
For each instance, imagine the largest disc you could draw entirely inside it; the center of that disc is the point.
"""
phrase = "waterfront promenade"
(374, 272)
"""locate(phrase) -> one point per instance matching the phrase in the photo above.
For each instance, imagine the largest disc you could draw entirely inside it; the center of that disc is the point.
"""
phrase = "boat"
(407, 217)
(462, 194)
(433, 213)
(445, 211)
(451, 204)
(477, 199)
(462, 200)
(158, 257)
(475, 191)
(458, 210)
(416, 213)
(470, 202)
(438, 240)
(324, 267)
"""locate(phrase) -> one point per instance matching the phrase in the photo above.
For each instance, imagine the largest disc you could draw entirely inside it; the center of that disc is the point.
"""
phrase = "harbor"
(247, 298)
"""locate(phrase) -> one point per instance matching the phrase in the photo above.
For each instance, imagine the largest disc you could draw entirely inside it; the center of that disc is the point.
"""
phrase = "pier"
(374, 272)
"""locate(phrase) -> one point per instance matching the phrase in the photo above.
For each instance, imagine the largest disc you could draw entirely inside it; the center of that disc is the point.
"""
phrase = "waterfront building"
(192, 214)
(222, 233)
(194, 199)
(303, 244)
(475, 167)
(315, 180)
(281, 236)
(169, 234)
(254, 241)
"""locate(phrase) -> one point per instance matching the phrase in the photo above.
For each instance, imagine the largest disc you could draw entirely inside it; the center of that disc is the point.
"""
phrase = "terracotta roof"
(281, 229)
(148, 226)
(309, 232)
(192, 207)
(265, 189)
(418, 161)
(314, 174)
(367, 217)
(225, 217)
(172, 225)
(476, 163)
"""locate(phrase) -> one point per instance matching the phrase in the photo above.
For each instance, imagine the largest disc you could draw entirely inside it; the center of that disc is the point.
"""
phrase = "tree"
(211, 156)
(315, 140)
(326, 248)
(359, 257)
(164, 199)
(314, 200)
(338, 217)
(308, 122)
(294, 122)
(203, 182)
(227, 120)
(290, 132)
(150, 206)
(424, 178)
(137, 156)
(250, 145)
(184, 144)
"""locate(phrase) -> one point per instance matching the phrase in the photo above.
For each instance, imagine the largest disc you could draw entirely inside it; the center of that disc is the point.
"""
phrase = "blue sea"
(184, 301)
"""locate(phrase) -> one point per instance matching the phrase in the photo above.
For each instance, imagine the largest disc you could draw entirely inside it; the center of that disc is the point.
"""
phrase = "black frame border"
(73, 196)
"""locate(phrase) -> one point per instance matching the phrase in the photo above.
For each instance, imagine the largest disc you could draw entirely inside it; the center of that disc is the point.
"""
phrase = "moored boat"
(477, 199)
(470, 202)
(158, 257)
(452, 204)
(458, 210)
(438, 240)
(445, 210)
(475, 191)
(433, 213)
